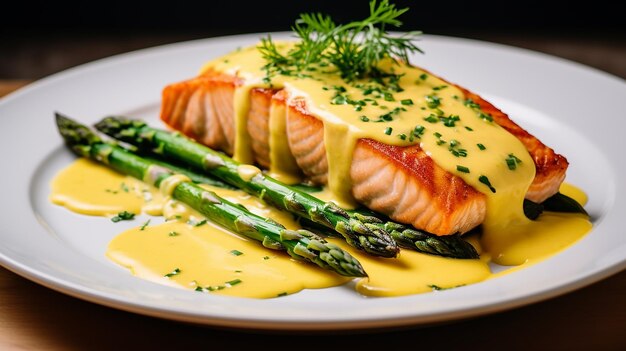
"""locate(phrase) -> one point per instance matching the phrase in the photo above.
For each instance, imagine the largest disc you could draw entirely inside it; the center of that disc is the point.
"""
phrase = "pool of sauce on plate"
(421, 109)
(178, 248)
(412, 107)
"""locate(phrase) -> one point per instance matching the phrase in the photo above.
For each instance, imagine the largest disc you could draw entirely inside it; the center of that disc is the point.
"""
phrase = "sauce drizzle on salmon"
(412, 155)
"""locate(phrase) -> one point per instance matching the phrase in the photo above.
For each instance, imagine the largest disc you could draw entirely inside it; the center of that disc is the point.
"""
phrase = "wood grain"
(33, 317)
(8, 86)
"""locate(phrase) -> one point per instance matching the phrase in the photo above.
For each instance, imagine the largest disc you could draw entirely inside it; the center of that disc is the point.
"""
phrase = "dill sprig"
(354, 49)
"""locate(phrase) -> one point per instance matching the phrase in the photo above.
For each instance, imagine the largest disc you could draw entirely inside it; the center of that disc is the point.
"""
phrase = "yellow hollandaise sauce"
(180, 248)
(208, 258)
(88, 188)
(403, 106)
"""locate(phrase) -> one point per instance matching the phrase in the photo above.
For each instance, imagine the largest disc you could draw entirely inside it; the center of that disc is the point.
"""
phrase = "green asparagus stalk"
(532, 210)
(449, 246)
(290, 198)
(563, 203)
(555, 203)
(300, 244)
(358, 233)
(453, 246)
(191, 174)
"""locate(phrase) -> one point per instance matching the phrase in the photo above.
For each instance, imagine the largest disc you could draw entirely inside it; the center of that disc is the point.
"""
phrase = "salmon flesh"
(403, 183)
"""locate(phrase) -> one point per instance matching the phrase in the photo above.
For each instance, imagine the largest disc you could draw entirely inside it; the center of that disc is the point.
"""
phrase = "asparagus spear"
(300, 244)
(361, 228)
(407, 237)
(563, 203)
(194, 176)
(358, 233)
(449, 246)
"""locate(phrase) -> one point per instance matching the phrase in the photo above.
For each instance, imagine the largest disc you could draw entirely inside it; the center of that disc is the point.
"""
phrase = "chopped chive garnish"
(339, 88)
(266, 257)
(124, 187)
(423, 76)
(450, 120)
(388, 130)
(339, 100)
(438, 288)
(512, 161)
(281, 294)
(406, 102)
(483, 179)
(176, 271)
(459, 152)
(511, 164)
(462, 169)
(173, 233)
(471, 104)
(439, 140)
(440, 87)
(469, 128)
(123, 216)
(199, 288)
(418, 131)
(402, 136)
(364, 119)
(144, 225)
(485, 116)
(202, 222)
(455, 150)
(233, 282)
(431, 119)
(481, 146)
(433, 101)
(236, 252)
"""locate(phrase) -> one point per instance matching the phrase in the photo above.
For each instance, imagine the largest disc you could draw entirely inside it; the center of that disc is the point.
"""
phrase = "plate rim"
(95, 296)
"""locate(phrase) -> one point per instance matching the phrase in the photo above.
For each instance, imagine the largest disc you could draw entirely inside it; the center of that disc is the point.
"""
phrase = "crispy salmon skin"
(403, 183)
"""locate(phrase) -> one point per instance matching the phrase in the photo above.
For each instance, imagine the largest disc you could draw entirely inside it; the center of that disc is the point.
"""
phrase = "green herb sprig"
(355, 48)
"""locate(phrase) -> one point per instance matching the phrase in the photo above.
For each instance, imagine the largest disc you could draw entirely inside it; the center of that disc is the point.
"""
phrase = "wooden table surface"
(33, 317)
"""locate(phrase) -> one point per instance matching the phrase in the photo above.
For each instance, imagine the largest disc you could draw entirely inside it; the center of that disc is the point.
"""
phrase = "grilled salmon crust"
(550, 167)
(401, 182)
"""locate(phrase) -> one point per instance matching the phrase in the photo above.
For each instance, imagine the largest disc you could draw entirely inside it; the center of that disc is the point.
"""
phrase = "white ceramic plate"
(577, 110)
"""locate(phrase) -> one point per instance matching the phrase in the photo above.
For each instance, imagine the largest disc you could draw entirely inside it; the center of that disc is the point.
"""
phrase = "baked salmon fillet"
(403, 183)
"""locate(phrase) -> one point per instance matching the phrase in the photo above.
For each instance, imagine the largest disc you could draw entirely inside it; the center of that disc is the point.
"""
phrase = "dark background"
(40, 39)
